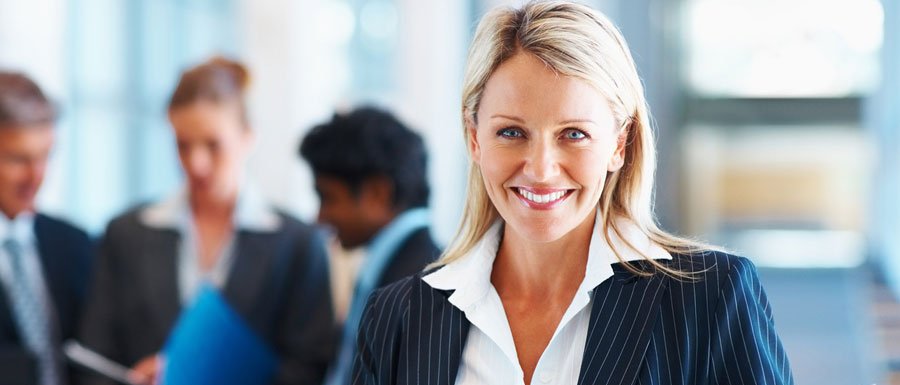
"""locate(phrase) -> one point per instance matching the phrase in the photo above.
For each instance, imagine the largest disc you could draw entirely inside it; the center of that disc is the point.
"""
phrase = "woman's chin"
(546, 227)
(539, 230)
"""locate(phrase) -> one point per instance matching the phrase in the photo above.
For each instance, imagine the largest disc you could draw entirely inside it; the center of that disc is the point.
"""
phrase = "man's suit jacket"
(65, 255)
(278, 283)
(413, 254)
(716, 329)
(416, 252)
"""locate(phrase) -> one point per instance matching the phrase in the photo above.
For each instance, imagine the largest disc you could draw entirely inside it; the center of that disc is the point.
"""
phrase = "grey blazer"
(278, 282)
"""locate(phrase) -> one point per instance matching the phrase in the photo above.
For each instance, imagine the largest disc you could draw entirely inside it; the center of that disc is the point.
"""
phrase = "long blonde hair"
(574, 40)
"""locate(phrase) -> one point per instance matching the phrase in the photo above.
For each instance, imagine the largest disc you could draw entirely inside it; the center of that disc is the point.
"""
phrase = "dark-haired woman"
(217, 230)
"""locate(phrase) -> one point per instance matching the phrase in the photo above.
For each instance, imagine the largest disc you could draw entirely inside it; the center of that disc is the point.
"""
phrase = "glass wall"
(777, 161)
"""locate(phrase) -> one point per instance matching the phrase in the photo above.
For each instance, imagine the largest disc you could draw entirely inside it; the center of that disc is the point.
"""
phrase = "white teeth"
(545, 198)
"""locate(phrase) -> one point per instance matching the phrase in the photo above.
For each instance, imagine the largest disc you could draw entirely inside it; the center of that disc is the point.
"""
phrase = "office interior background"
(778, 126)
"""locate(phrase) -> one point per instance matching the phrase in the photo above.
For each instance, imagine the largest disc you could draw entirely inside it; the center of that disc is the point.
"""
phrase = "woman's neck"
(533, 269)
(213, 223)
(214, 208)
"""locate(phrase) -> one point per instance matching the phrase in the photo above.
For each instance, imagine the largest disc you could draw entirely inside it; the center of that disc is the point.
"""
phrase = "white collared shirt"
(251, 213)
(490, 355)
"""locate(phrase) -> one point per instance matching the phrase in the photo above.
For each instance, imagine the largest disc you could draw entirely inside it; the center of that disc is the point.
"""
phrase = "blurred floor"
(824, 318)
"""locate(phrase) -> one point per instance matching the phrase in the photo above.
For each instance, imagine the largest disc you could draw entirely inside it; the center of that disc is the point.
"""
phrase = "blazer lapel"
(158, 259)
(52, 256)
(437, 333)
(624, 311)
(254, 254)
(8, 330)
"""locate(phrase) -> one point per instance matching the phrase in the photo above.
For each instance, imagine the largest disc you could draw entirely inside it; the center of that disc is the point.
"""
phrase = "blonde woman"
(559, 273)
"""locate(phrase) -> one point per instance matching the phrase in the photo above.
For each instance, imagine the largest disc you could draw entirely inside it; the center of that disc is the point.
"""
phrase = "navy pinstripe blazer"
(717, 329)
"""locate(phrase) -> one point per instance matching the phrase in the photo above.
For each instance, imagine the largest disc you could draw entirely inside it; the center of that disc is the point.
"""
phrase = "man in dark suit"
(370, 175)
(44, 262)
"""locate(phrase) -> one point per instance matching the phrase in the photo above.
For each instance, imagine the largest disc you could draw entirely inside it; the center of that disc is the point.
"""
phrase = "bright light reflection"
(334, 22)
(783, 47)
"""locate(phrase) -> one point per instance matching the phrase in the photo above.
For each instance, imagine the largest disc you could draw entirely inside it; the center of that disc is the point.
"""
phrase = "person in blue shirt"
(370, 175)
(44, 262)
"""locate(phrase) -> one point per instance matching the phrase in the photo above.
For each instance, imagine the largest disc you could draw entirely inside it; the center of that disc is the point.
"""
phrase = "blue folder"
(212, 345)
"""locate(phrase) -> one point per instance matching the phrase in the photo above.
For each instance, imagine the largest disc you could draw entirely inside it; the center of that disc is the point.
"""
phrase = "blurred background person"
(370, 176)
(218, 230)
(44, 262)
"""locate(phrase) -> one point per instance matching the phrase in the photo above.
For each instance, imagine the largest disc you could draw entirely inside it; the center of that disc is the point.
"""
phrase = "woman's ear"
(248, 139)
(472, 135)
(249, 135)
(618, 156)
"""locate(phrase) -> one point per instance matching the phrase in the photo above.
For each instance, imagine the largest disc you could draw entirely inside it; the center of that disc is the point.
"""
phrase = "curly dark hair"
(370, 142)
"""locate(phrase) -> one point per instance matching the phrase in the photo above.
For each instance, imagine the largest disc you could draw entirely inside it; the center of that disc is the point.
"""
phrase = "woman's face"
(545, 143)
(212, 144)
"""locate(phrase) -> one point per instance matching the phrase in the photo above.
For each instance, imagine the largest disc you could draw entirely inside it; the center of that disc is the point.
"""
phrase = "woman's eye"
(574, 135)
(510, 133)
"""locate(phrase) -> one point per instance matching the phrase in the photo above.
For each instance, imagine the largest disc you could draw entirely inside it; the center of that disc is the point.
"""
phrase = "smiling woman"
(559, 273)
(544, 144)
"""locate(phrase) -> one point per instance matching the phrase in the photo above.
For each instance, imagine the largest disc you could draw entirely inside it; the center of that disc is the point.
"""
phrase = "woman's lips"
(542, 198)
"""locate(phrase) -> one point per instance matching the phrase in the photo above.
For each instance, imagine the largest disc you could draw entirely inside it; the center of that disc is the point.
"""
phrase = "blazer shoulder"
(420, 243)
(710, 276)
(304, 241)
(395, 297)
(413, 255)
(744, 343)
(730, 273)
(294, 225)
(60, 229)
(711, 263)
(388, 306)
(128, 219)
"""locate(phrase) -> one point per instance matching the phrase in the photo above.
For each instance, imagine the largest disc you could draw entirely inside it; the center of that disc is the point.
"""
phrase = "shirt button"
(546, 377)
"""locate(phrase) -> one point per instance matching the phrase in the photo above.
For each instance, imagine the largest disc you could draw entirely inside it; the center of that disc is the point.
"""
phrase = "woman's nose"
(198, 162)
(542, 163)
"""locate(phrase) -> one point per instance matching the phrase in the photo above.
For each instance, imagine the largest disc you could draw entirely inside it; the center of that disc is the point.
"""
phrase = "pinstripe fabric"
(716, 330)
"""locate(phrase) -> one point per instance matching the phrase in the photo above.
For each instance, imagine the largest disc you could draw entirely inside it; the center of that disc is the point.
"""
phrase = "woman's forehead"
(525, 87)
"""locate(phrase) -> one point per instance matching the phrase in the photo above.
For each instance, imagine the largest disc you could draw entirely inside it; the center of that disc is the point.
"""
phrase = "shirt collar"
(470, 275)
(385, 243)
(20, 228)
(379, 254)
(398, 229)
(251, 213)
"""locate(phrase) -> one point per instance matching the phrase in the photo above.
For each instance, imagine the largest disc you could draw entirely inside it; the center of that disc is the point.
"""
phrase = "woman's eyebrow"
(571, 121)
(562, 122)
(508, 117)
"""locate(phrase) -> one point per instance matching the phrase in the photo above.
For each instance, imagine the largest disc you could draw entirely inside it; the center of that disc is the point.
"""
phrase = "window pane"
(782, 48)
(785, 195)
